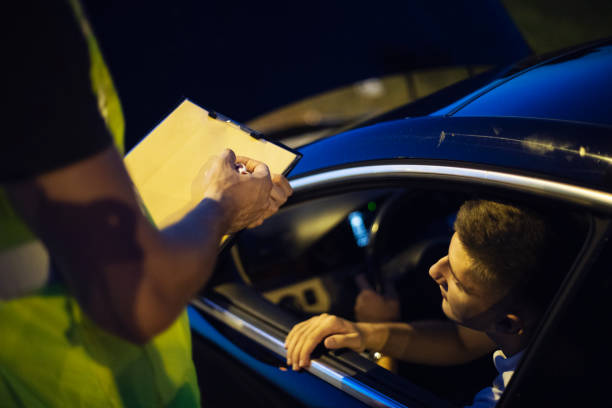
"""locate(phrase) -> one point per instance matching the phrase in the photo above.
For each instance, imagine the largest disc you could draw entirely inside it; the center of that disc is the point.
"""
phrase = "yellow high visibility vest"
(51, 353)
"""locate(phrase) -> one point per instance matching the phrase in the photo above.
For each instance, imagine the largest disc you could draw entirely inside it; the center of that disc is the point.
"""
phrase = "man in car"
(503, 266)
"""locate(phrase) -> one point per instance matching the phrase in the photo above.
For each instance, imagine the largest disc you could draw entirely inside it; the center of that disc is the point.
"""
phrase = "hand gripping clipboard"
(167, 164)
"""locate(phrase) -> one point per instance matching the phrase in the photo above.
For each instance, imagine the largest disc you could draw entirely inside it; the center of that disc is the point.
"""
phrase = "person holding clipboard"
(92, 294)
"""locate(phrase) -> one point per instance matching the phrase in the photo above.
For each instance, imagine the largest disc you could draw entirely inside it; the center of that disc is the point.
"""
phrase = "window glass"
(329, 112)
(554, 90)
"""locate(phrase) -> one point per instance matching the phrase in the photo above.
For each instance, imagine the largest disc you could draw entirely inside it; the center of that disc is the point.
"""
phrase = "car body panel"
(352, 382)
(302, 385)
(562, 151)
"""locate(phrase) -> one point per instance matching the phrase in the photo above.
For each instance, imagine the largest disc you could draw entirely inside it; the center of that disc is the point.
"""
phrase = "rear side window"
(575, 88)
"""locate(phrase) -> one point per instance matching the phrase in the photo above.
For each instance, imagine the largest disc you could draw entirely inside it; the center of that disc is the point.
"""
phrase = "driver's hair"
(518, 248)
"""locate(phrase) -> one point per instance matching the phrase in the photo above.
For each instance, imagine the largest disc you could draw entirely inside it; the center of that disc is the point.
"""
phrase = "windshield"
(334, 111)
(553, 90)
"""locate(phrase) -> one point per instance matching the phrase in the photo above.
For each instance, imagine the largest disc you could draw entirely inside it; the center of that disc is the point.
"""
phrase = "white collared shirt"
(505, 366)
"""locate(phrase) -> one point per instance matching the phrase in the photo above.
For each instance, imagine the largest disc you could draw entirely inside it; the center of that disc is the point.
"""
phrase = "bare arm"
(129, 277)
(433, 343)
(426, 342)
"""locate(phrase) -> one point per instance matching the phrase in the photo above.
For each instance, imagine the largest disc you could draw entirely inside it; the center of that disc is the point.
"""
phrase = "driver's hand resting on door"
(336, 331)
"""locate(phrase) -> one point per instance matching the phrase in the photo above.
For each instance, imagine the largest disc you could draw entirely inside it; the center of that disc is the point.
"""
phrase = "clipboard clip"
(215, 115)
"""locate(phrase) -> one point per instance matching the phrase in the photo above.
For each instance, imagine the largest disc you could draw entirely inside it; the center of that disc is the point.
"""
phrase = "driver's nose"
(435, 271)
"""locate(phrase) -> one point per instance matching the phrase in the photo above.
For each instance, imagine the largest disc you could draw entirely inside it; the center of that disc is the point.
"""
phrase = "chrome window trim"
(274, 341)
(578, 195)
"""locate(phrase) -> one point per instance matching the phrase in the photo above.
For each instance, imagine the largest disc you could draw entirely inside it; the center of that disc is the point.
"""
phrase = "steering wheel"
(377, 240)
(418, 254)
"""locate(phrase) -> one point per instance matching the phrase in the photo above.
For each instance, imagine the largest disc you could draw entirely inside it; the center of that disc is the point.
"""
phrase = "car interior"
(304, 261)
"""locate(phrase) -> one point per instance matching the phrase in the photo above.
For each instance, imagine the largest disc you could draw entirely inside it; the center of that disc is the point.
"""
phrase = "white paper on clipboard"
(166, 165)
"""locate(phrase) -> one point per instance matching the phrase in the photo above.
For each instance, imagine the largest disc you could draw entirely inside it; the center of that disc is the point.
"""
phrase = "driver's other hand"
(334, 331)
(246, 199)
(371, 306)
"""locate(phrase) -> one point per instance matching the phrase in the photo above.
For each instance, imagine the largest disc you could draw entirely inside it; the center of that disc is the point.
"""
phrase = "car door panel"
(247, 312)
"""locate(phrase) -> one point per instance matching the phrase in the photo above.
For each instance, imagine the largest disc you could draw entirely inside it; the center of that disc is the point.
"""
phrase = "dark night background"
(246, 58)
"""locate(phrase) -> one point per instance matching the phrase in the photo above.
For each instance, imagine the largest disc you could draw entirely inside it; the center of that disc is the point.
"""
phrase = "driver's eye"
(444, 285)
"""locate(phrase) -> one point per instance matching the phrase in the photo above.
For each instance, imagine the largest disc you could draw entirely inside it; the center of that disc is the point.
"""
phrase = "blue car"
(380, 199)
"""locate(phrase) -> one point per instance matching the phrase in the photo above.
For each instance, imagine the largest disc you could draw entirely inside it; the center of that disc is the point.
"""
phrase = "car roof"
(565, 134)
(581, 77)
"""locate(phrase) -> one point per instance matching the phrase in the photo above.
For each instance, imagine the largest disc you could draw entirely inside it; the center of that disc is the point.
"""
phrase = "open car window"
(305, 261)
(326, 242)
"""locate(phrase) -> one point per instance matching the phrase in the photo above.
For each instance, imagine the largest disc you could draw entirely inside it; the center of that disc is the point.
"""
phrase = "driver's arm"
(129, 277)
(427, 342)
(440, 342)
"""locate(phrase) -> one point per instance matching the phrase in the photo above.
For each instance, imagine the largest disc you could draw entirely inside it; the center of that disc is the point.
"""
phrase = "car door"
(302, 260)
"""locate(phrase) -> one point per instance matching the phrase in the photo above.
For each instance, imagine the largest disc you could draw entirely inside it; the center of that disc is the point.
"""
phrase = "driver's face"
(464, 299)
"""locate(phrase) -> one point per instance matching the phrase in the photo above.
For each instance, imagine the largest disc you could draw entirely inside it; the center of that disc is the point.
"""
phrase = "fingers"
(278, 197)
(253, 165)
(250, 164)
(366, 297)
(281, 190)
(305, 336)
(256, 223)
(228, 156)
(260, 169)
(258, 194)
(292, 334)
(368, 294)
(256, 168)
(272, 208)
(351, 340)
(371, 306)
(280, 181)
(367, 303)
(292, 340)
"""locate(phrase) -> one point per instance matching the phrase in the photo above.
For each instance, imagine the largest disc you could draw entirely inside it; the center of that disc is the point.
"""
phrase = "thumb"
(262, 170)
(350, 340)
(228, 156)
(227, 159)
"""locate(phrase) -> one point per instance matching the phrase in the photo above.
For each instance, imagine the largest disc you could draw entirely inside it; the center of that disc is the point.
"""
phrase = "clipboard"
(166, 165)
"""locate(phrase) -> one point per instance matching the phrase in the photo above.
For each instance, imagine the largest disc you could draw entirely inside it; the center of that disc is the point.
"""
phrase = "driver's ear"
(510, 324)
